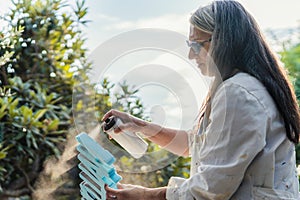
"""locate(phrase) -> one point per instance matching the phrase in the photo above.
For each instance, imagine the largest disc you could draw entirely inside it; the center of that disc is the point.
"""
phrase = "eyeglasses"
(196, 46)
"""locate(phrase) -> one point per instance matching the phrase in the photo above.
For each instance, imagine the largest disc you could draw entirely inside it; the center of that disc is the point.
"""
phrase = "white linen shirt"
(241, 150)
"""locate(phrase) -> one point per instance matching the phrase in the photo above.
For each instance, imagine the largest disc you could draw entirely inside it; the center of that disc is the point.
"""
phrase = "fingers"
(110, 113)
(130, 186)
(117, 130)
(107, 115)
(113, 112)
(130, 123)
(111, 193)
(125, 191)
(120, 186)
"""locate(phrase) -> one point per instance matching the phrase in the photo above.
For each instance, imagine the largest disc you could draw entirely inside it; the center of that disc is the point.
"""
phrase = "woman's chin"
(205, 70)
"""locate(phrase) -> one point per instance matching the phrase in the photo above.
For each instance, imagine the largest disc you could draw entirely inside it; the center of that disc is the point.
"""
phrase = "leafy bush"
(39, 65)
(42, 58)
(291, 59)
(30, 130)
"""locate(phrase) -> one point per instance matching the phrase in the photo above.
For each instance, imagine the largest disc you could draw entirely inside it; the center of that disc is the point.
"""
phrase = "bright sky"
(114, 17)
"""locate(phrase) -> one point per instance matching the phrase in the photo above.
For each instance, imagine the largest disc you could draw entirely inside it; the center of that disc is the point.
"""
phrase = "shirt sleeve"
(235, 135)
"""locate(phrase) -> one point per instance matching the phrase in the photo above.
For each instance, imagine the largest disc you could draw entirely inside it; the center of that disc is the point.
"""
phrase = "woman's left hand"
(125, 192)
(134, 192)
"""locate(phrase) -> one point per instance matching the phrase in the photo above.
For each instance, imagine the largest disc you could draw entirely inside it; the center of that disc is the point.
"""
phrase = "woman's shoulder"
(244, 84)
(242, 89)
(244, 81)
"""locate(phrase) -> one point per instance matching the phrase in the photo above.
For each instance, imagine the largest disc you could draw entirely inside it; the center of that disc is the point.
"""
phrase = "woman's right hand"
(173, 140)
(130, 123)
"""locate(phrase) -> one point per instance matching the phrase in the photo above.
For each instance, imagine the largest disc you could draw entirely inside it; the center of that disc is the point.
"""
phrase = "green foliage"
(30, 128)
(42, 57)
(128, 100)
(180, 168)
(7, 42)
(291, 59)
(43, 63)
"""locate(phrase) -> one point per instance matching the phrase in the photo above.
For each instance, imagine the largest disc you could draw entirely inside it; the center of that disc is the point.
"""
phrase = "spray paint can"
(130, 141)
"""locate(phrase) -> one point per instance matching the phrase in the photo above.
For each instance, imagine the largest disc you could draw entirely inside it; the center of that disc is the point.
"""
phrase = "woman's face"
(199, 36)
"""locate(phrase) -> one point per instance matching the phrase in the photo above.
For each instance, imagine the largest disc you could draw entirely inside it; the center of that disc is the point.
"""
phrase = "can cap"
(109, 123)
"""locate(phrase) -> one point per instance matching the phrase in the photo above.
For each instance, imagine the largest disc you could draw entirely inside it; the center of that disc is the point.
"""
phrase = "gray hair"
(203, 19)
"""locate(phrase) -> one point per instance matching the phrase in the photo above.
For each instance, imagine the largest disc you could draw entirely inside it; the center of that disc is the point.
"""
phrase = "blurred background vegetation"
(43, 62)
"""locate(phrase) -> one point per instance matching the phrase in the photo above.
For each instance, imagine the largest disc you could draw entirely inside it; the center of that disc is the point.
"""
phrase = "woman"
(244, 145)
